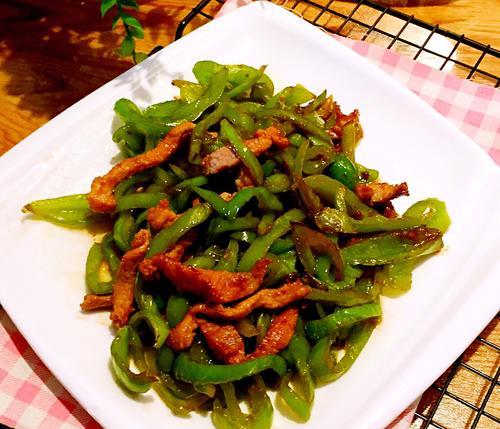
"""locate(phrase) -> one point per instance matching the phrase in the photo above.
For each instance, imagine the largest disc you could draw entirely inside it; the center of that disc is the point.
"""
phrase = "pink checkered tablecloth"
(31, 397)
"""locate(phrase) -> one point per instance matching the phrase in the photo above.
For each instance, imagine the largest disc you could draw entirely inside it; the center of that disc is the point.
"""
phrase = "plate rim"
(25, 148)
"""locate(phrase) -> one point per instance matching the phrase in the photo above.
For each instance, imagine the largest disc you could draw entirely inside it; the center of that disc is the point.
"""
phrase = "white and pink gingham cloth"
(31, 397)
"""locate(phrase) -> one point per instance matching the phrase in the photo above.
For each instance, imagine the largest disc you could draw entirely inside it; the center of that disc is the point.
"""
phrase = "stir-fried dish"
(247, 248)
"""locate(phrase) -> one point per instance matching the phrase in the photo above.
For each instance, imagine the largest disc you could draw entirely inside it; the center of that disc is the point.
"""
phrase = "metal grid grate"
(442, 50)
(371, 22)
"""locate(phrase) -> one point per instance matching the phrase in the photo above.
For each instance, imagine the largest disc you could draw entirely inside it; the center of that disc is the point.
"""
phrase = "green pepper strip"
(163, 110)
(248, 158)
(137, 383)
(323, 366)
(299, 404)
(165, 359)
(110, 255)
(230, 258)
(263, 322)
(199, 131)
(189, 183)
(300, 408)
(71, 210)
(151, 127)
(169, 235)
(124, 230)
(94, 260)
(155, 322)
(202, 261)
(365, 291)
(281, 266)
(349, 140)
(144, 200)
(432, 212)
(145, 301)
(239, 118)
(322, 270)
(326, 188)
(191, 372)
(313, 105)
(282, 245)
(265, 223)
(188, 91)
(230, 209)
(129, 140)
(277, 183)
(394, 247)
(343, 170)
(333, 220)
(340, 319)
(124, 186)
(259, 248)
(395, 279)
(177, 308)
(297, 119)
(299, 160)
(268, 167)
(306, 240)
(212, 94)
(220, 225)
(247, 83)
(244, 236)
(260, 414)
(163, 178)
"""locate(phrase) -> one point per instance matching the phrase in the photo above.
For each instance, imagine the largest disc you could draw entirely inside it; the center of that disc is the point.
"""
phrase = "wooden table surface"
(53, 53)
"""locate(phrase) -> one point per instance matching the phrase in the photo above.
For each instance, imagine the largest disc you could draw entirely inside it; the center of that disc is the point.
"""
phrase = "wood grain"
(53, 53)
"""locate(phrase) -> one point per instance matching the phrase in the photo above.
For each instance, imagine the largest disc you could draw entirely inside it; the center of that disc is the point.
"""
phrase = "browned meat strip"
(182, 335)
(224, 158)
(269, 299)
(342, 120)
(379, 193)
(101, 198)
(224, 340)
(96, 302)
(213, 286)
(279, 334)
(161, 215)
(227, 344)
(123, 287)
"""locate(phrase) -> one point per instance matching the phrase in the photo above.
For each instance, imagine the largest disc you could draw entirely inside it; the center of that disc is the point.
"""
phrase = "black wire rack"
(392, 29)
(470, 386)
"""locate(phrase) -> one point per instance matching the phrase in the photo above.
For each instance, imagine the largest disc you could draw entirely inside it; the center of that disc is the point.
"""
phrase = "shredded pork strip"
(268, 299)
(279, 334)
(227, 344)
(96, 302)
(123, 287)
(379, 193)
(101, 198)
(161, 216)
(212, 286)
(224, 340)
(182, 335)
(224, 158)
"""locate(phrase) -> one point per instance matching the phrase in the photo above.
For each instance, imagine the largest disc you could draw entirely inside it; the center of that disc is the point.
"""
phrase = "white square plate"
(454, 295)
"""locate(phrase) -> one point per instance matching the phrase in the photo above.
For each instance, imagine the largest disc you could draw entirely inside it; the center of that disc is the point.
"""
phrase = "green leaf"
(131, 21)
(127, 47)
(129, 3)
(138, 33)
(140, 57)
(115, 21)
(106, 5)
